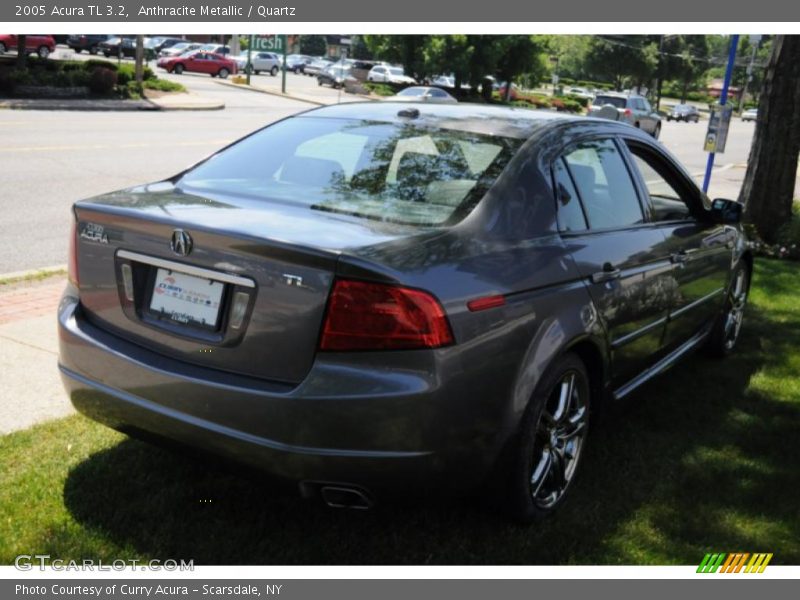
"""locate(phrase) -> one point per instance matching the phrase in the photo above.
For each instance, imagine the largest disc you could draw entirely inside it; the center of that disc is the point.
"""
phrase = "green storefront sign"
(269, 43)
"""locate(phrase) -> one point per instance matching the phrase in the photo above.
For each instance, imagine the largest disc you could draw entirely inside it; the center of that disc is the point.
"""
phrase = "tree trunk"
(139, 61)
(768, 189)
(22, 54)
(507, 93)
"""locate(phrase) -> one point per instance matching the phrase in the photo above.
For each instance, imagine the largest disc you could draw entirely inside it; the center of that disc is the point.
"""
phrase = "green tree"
(313, 45)
(693, 63)
(518, 55)
(445, 54)
(359, 48)
(621, 58)
(406, 50)
(768, 189)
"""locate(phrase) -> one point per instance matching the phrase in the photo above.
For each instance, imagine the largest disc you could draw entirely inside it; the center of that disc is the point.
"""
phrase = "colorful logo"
(737, 562)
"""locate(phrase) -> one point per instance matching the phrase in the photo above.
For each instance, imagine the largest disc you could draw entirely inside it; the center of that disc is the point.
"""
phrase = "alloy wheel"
(559, 440)
(737, 300)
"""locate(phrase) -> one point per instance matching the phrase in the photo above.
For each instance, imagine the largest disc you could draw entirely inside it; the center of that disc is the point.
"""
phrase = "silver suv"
(628, 108)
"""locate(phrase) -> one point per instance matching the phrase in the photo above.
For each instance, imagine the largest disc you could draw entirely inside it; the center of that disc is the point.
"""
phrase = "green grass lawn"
(704, 459)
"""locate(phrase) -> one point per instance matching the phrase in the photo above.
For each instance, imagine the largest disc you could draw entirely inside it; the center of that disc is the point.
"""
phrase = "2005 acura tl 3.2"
(380, 297)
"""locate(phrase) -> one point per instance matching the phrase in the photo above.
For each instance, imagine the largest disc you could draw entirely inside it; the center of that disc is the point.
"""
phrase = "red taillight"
(72, 264)
(376, 316)
(628, 112)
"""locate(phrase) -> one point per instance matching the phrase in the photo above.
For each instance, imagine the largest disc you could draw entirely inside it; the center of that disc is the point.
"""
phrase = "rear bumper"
(381, 428)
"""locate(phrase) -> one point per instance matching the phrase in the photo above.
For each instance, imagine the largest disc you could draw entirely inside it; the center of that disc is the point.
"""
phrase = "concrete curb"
(103, 106)
(42, 272)
(250, 88)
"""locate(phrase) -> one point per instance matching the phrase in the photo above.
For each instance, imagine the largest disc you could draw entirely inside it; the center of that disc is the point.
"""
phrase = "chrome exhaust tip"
(345, 497)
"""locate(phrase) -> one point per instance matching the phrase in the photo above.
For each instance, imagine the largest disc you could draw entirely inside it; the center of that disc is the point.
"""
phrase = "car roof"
(503, 121)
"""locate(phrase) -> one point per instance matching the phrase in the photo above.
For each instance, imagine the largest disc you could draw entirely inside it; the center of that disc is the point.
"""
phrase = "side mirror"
(726, 211)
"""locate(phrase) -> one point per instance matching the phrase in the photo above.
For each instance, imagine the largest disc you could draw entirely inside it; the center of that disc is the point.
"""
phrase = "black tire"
(258, 72)
(93, 50)
(728, 325)
(77, 50)
(273, 71)
(107, 54)
(319, 82)
(223, 73)
(3, 48)
(178, 69)
(43, 51)
(549, 443)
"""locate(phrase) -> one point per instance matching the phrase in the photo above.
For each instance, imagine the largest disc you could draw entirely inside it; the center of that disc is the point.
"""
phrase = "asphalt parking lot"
(53, 158)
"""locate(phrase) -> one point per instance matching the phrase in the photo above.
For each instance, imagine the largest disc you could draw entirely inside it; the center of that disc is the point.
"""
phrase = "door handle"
(609, 273)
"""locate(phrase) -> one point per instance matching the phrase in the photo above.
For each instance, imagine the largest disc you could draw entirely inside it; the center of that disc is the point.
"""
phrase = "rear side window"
(570, 213)
(604, 184)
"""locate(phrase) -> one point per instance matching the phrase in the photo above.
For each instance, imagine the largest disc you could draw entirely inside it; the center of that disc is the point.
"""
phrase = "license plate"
(187, 299)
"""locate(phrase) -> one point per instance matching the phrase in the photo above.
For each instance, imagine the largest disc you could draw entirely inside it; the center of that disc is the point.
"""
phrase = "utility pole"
(754, 41)
(660, 72)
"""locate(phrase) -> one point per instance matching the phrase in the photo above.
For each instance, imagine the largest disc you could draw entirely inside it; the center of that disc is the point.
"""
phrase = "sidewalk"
(32, 390)
(325, 98)
(181, 101)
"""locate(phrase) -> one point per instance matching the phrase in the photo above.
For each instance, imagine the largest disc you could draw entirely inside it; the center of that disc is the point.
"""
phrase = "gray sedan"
(431, 95)
(369, 299)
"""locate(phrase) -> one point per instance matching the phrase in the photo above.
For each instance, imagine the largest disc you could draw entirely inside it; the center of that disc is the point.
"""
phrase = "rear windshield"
(395, 172)
(613, 100)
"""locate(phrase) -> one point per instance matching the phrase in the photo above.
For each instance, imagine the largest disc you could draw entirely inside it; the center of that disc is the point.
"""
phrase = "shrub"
(102, 81)
(380, 89)
(127, 72)
(90, 64)
(163, 85)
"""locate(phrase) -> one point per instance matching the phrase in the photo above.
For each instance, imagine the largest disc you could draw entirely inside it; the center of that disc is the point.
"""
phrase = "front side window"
(396, 172)
(668, 201)
(604, 185)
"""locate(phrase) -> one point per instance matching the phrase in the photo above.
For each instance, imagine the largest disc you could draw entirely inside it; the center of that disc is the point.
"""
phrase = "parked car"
(751, 114)
(387, 74)
(297, 62)
(124, 47)
(400, 299)
(41, 45)
(627, 108)
(315, 67)
(259, 61)
(580, 92)
(179, 48)
(162, 43)
(86, 42)
(335, 76)
(216, 49)
(198, 61)
(684, 112)
(430, 95)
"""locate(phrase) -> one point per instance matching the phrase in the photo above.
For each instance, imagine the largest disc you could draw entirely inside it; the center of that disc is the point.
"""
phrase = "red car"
(42, 45)
(215, 65)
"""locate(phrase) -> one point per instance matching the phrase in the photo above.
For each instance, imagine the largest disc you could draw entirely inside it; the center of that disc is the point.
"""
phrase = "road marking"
(12, 150)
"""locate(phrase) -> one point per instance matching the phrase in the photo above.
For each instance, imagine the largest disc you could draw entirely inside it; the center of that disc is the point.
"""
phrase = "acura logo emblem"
(181, 242)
